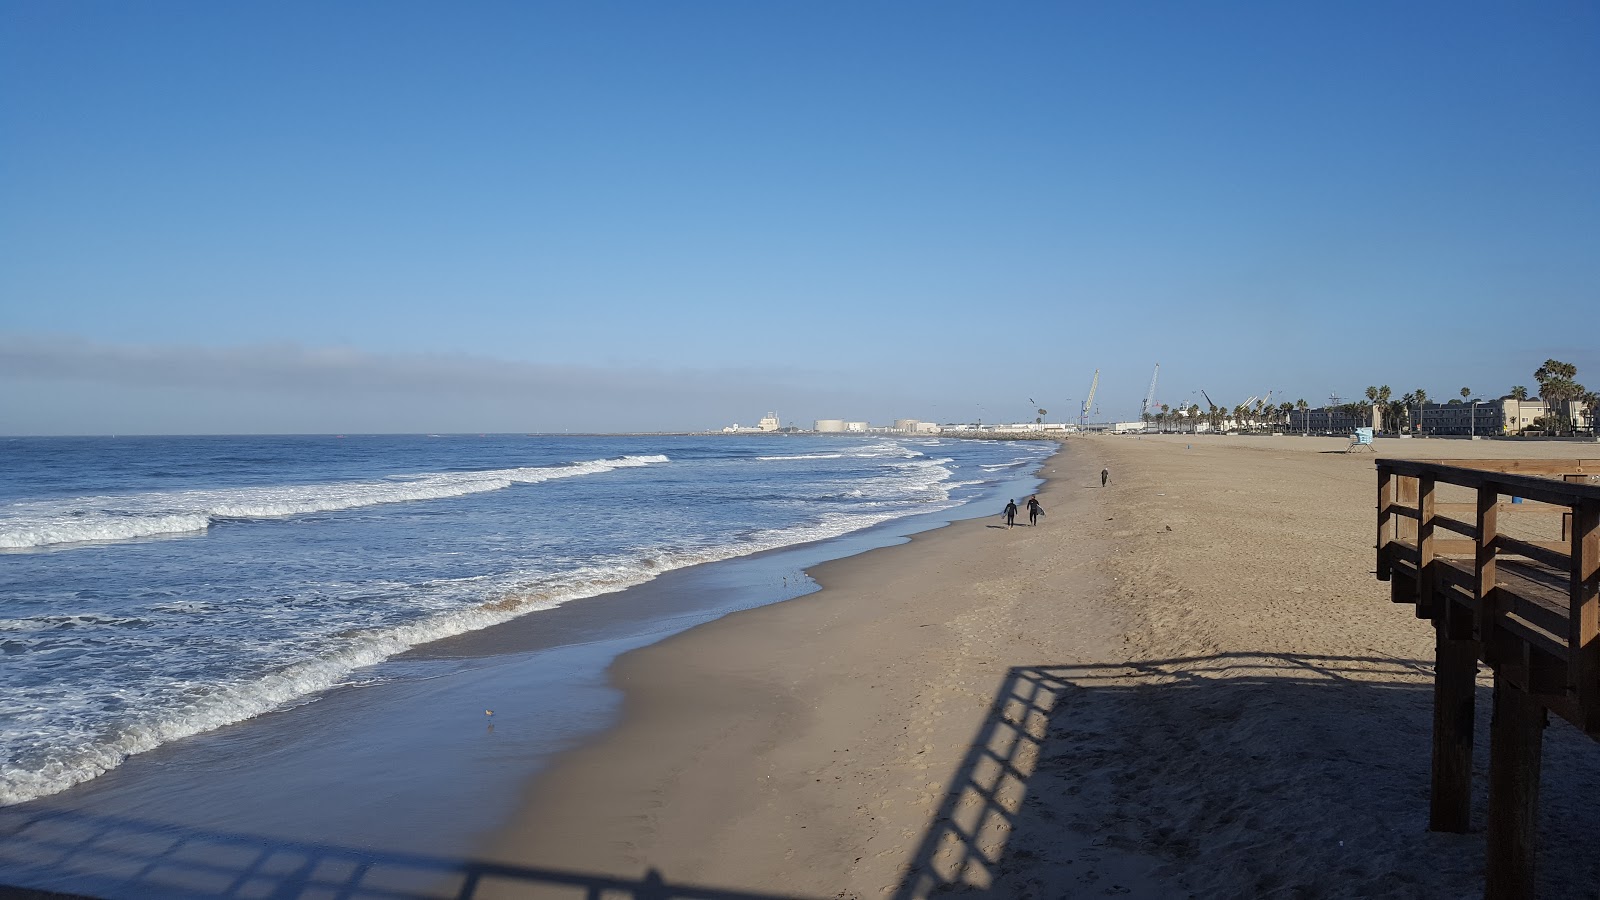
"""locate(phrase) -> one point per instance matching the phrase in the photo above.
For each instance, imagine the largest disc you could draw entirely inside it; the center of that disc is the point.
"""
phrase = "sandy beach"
(1187, 683)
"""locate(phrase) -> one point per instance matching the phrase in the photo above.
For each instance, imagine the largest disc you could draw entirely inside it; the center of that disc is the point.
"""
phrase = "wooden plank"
(1583, 637)
(1551, 621)
(1538, 551)
(1516, 739)
(1453, 572)
(1455, 525)
(1526, 633)
(1455, 674)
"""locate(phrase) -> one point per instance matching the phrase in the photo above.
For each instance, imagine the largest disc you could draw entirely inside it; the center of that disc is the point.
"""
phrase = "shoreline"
(737, 736)
(342, 771)
(1187, 685)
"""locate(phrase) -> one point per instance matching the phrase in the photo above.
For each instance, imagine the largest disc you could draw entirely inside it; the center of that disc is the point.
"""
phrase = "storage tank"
(856, 427)
(906, 426)
(830, 425)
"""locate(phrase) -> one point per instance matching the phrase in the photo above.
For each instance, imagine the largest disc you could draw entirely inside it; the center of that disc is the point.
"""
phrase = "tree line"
(1557, 380)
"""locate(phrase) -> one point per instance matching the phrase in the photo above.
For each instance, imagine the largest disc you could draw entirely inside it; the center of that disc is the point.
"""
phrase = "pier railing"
(1503, 556)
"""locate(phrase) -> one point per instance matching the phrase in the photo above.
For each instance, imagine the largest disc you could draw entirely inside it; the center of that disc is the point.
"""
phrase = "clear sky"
(395, 216)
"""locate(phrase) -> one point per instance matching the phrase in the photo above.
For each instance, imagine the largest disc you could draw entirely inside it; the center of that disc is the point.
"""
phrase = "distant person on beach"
(1035, 510)
(1011, 513)
(1105, 476)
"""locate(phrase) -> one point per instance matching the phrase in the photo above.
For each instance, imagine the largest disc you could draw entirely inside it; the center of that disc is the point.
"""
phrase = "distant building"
(1326, 420)
(1506, 416)
(769, 422)
(829, 426)
(906, 426)
(857, 427)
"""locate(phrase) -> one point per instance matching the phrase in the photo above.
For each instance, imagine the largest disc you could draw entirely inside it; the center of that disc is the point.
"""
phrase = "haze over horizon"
(515, 217)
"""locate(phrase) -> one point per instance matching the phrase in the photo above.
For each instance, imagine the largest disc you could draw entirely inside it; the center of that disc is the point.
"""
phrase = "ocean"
(156, 589)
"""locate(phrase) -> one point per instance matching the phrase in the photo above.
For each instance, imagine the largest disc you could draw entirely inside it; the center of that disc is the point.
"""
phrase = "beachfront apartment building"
(1492, 417)
(1484, 418)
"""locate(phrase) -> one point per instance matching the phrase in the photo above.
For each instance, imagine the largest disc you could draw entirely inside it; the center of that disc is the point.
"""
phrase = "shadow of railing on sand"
(73, 854)
(1039, 724)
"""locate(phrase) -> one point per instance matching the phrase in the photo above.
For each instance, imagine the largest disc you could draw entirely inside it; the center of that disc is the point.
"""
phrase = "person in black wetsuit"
(1035, 510)
(1011, 513)
(1105, 476)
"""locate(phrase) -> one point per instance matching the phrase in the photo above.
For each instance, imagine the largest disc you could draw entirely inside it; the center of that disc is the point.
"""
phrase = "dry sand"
(1185, 684)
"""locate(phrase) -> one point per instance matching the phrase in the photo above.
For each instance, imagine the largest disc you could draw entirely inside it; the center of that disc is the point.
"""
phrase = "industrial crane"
(1150, 396)
(1088, 404)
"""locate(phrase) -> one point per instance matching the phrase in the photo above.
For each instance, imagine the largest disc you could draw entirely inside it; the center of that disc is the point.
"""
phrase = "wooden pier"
(1503, 556)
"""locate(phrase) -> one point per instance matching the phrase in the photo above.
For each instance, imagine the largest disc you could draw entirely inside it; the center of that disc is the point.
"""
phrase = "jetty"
(1503, 557)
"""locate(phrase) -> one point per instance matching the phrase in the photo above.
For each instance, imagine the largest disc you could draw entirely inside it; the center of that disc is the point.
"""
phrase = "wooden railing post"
(1455, 676)
(1385, 502)
(1406, 528)
(1425, 573)
(1485, 566)
(1583, 636)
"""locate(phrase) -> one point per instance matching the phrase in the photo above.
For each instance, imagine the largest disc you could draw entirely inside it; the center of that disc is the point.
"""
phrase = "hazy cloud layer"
(65, 385)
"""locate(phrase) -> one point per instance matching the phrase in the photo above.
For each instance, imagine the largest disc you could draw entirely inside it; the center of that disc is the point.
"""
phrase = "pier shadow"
(69, 854)
(1230, 775)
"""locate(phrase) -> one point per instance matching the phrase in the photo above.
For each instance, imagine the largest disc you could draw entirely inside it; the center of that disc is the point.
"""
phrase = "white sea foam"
(79, 741)
(119, 518)
(805, 456)
(89, 756)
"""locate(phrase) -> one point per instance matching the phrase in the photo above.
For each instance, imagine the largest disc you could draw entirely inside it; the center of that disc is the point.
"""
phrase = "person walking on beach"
(1035, 510)
(1105, 476)
(1011, 513)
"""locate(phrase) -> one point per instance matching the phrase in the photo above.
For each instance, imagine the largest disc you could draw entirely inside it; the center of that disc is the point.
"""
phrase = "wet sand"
(1185, 684)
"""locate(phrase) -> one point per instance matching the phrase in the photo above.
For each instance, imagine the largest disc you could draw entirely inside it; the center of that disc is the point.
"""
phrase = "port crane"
(1083, 418)
(1150, 396)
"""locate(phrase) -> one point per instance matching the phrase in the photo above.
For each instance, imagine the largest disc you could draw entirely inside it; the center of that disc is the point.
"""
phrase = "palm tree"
(1305, 420)
(1519, 393)
(1421, 396)
(1557, 388)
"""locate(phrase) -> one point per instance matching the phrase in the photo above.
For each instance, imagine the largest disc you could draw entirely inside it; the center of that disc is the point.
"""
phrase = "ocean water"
(154, 588)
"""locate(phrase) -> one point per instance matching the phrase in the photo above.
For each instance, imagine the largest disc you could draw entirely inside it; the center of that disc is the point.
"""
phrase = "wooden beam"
(1385, 501)
(1521, 466)
(1455, 525)
(1544, 490)
(1506, 506)
(1551, 554)
(1425, 576)
(1516, 739)
(1455, 673)
(1583, 637)
(1485, 565)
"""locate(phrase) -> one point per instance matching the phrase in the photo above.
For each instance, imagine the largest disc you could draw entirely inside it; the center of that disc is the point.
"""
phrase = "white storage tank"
(906, 426)
(830, 425)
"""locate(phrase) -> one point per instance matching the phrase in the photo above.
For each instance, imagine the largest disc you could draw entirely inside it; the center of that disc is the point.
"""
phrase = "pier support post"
(1516, 739)
(1454, 684)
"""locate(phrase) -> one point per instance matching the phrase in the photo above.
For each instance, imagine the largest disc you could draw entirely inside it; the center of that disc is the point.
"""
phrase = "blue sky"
(426, 217)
